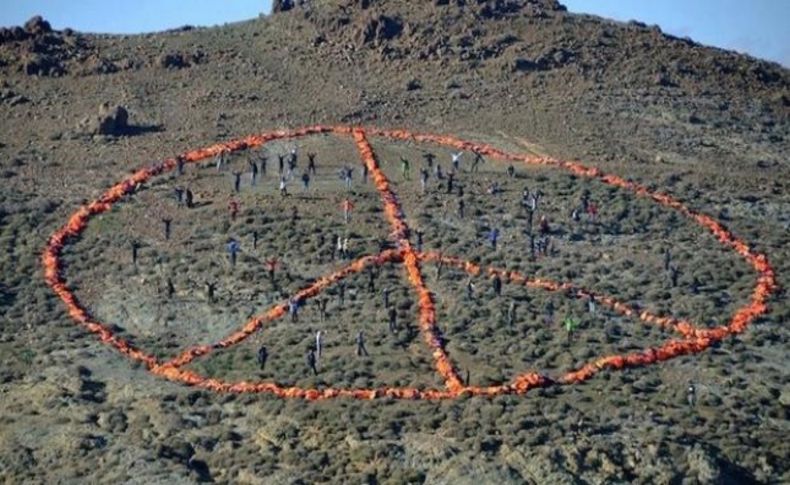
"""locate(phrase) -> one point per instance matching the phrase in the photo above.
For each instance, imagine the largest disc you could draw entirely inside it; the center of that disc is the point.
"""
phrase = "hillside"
(708, 127)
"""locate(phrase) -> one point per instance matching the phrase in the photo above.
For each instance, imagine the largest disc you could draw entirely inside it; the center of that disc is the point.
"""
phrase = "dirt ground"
(708, 127)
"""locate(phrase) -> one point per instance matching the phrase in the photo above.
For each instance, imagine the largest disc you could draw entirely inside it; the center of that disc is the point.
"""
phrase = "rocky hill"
(81, 110)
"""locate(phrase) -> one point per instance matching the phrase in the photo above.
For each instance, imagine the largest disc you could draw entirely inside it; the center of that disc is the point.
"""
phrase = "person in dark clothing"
(264, 160)
(253, 172)
(311, 163)
(386, 296)
(310, 358)
(179, 191)
(322, 303)
(419, 240)
(477, 161)
(306, 180)
(361, 350)
(254, 239)
(180, 165)
(461, 208)
(511, 314)
(135, 248)
(167, 221)
(511, 171)
(263, 355)
(171, 289)
(341, 295)
(496, 282)
(674, 273)
(450, 178)
(470, 289)
(236, 181)
(371, 281)
(667, 259)
(280, 164)
(392, 317)
(293, 309)
(189, 198)
(210, 288)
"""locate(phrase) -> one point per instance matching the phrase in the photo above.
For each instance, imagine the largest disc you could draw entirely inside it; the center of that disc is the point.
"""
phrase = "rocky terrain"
(82, 111)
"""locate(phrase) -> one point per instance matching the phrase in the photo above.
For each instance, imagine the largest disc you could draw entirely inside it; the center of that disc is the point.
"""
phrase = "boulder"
(37, 26)
(172, 60)
(378, 28)
(111, 120)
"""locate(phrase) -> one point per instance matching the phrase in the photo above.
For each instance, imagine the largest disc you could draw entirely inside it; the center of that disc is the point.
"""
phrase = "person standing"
(691, 394)
(346, 253)
(392, 317)
(371, 281)
(319, 342)
(210, 290)
(264, 160)
(310, 358)
(424, 174)
(283, 188)
(339, 248)
(179, 195)
(361, 350)
(236, 181)
(280, 164)
(263, 356)
(405, 168)
(135, 248)
(293, 309)
(496, 283)
(347, 206)
(233, 209)
(253, 172)
(167, 221)
(233, 249)
(322, 302)
(311, 164)
(456, 161)
(476, 162)
(470, 289)
(493, 237)
(271, 268)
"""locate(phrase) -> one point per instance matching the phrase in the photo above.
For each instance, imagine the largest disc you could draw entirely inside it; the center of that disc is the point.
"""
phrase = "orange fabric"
(694, 339)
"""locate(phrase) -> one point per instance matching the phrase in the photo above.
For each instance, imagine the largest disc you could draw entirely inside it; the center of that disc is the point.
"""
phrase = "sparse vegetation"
(616, 96)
